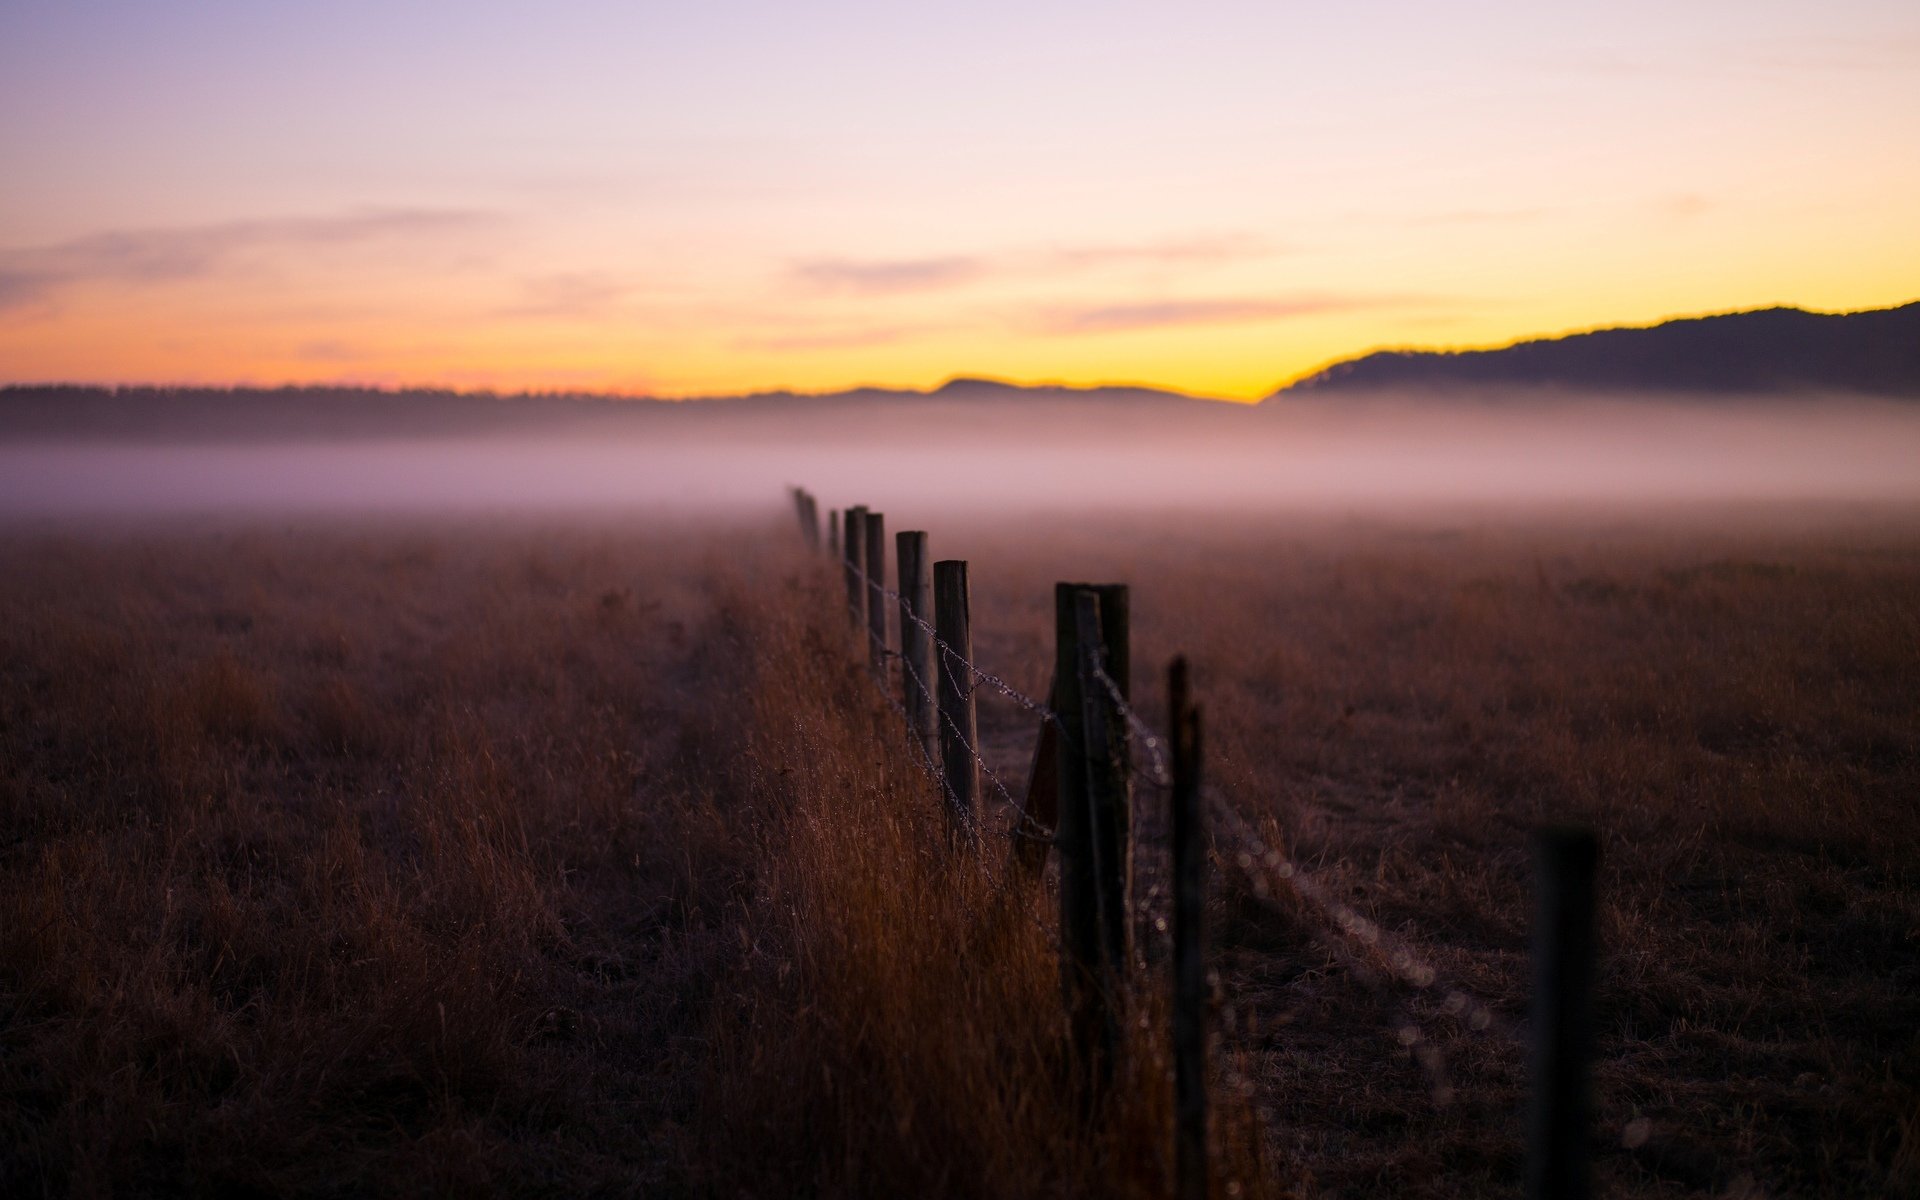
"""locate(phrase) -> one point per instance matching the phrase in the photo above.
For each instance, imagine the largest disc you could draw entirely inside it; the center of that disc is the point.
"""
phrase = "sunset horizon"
(939, 382)
(745, 199)
(1008, 600)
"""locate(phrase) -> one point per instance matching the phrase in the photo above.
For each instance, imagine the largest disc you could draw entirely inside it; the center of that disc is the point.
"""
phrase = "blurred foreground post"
(1090, 638)
(854, 547)
(916, 644)
(876, 570)
(1563, 953)
(1189, 943)
(959, 730)
(833, 532)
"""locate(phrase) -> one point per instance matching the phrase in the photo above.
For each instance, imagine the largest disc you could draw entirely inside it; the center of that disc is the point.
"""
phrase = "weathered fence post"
(1034, 835)
(959, 730)
(833, 532)
(853, 544)
(1093, 837)
(1563, 954)
(876, 571)
(809, 519)
(1109, 805)
(916, 644)
(1189, 942)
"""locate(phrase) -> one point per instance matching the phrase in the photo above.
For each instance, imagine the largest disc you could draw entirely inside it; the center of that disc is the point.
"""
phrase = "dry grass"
(459, 860)
(1732, 699)
(569, 859)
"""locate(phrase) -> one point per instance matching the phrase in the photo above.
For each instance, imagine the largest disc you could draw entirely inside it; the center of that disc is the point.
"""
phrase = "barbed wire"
(1150, 741)
(1268, 870)
(980, 674)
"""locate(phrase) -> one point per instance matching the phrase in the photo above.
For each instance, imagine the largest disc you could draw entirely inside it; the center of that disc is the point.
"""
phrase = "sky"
(713, 198)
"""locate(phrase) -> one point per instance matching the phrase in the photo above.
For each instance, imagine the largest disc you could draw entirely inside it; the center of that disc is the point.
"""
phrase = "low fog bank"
(1384, 451)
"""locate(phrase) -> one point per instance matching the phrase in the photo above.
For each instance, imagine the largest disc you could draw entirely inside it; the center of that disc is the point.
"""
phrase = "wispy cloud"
(881, 276)
(155, 256)
(884, 276)
(1476, 216)
(1159, 314)
(328, 350)
(1194, 251)
(569, 295)
(832, 339)
(1684, 206)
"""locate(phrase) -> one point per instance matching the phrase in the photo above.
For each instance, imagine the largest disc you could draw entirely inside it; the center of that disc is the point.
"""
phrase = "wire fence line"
(1114, 912)
(1266, 870)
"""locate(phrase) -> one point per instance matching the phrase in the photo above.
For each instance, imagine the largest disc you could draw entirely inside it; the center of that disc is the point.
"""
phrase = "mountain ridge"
(1766, 350)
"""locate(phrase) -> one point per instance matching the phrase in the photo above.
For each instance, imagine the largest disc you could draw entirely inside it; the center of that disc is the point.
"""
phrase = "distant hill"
(1770, 350)
(196, 414)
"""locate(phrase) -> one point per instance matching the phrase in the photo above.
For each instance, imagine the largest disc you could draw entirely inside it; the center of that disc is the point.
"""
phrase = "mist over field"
(1364, 451)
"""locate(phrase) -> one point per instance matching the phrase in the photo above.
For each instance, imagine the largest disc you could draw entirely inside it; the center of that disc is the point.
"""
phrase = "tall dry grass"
(896, 1027)
(456, 859)
(578, 858)
(348, 862)
(1732, 698)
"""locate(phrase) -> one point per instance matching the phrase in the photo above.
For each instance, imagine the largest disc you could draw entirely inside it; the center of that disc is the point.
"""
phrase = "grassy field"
(573, 858)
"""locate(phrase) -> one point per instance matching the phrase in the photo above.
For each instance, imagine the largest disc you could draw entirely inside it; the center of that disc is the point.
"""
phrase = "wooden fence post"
(833, 532)
(876, 573)
(1189, 942)
(853, 545)
(1108, 800)
(809, 522)
(1094, 838)
(1034, 835)
(959, 730)
(916, 644)
(1564, 945)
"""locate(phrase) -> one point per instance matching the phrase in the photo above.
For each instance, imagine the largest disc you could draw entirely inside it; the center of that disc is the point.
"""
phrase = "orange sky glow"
(749, 197)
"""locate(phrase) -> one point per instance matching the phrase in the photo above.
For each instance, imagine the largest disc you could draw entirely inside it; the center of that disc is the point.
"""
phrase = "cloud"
(1160, 314)
(1684, 205)
(1476, 216)
(157, 256)
(570, 294)
(842, 339)
(935, 272)
(1195, 251)
(327, 350)
(880, 276)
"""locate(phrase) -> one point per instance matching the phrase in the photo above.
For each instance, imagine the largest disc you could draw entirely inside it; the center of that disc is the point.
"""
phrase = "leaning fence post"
(853, 544)
(1563, 956)
(1188, 835)
(916, 645)
(876, 573)
(959, 730)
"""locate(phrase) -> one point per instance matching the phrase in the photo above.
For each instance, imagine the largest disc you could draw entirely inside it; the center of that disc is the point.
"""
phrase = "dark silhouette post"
(1564, 944)
(916, 644)
(1189, 942)
(854, 545)
(959, 730)
(1093, 821)
(876, 571)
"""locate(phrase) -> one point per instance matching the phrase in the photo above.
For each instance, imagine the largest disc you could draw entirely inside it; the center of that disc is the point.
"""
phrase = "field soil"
(582, 856)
